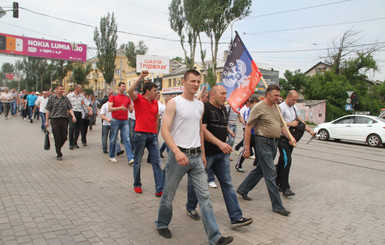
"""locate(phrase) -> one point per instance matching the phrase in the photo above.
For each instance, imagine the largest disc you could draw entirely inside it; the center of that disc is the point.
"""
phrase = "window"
(117, 71)
(364, 120)
(345, 120)
(169, 83)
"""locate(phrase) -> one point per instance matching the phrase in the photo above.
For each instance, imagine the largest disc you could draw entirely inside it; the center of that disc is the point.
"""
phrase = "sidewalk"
(85, 199)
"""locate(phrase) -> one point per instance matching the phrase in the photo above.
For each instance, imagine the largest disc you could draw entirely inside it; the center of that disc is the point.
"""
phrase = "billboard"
(154, 64)
(27, 46)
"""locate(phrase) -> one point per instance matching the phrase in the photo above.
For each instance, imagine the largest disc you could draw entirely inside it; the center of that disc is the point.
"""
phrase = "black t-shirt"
(216, 120)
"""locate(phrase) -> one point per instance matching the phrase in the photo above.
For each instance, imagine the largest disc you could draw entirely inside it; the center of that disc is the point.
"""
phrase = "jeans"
(105, 133)
(131, 123)
(220, 165)
(117, 125)
(75, 128)
(164, 147)
(241, 158)
(230, 139)
(30, 111)
(13, 108)
(42, 115)
(36, 114)
(196, 172)
(149, 140)
(84, 130)
(266, 151)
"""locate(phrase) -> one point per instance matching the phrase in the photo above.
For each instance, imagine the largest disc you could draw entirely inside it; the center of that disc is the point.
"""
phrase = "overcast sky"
(283, 35)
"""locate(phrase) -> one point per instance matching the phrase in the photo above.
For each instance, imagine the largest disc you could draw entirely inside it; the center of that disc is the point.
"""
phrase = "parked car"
(369, 129)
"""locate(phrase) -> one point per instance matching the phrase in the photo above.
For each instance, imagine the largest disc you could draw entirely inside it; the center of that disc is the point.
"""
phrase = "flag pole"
(281, 117)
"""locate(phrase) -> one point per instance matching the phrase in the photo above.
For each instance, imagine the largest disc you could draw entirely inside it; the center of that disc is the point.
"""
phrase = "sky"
(280, 35)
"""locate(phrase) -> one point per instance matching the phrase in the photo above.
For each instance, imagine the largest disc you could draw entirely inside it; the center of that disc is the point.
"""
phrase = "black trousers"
(84, 130)
(75, 128)
(284, 163)
(241, 158)
(60, 130)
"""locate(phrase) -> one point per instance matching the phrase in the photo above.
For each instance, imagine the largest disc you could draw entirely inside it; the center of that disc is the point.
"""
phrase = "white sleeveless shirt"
(185, 129)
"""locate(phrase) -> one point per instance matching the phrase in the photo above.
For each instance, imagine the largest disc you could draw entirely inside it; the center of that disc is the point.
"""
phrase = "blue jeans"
(164, 147)
(13, 108)
(220, 165)
(42, 115)
(30, 111)
(131, 123)
(196, 172)
(230, 139)
(121, 125)
(105, 132)
(266, 151)
(149, 140)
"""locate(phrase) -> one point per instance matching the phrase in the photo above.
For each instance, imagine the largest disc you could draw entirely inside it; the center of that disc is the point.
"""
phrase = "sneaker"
(59, 158)
(240, 170)
(161, 155)
(31, 120)
(242, 222)
(76, 146)
(71, 147)
(288, 192)
(84, 144)
(159, 194)
(165, 232)
(138, 190)
(212, 184)
(105, 152)
(119, 153)
(244, 196)
(131, 162)
(6, 118)
(193, 214)
(225, 240)
(252, 157)
(113, 159)
(282, 212)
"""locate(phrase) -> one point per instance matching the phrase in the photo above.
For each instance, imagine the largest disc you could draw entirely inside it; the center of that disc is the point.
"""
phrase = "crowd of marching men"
(198, 131)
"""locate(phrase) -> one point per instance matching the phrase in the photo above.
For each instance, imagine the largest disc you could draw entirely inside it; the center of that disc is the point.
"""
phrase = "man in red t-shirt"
(118, 106)
(146, 135)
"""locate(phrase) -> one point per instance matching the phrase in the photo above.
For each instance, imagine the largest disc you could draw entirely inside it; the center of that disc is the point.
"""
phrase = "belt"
(272, 139)
(190, 150)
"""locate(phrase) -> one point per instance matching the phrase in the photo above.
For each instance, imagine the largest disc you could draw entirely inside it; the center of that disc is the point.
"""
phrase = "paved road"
(340, 197)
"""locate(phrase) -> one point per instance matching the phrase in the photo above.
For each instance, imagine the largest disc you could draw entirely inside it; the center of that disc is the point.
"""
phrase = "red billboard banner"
(27, 46)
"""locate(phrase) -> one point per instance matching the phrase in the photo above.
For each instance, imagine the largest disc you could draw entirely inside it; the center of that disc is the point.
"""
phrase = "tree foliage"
(106, 44)
(132, 50)
(80, 73)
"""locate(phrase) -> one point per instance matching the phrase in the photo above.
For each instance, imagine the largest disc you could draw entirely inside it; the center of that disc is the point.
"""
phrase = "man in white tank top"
(182, 132)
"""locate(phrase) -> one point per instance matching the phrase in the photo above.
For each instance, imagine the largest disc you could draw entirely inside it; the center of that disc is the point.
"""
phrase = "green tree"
(218, 15)
(132, 50)
(80, 73)
(6, 68)
(106, 44)
(294, 80)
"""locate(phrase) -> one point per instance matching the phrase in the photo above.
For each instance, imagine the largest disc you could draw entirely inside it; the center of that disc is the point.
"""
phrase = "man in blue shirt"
(31, 98)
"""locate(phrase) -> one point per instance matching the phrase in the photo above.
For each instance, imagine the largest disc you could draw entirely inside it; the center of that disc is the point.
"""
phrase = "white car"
(362, 128)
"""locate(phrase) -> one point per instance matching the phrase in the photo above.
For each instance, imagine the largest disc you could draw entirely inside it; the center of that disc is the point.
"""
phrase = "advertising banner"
(153, 64)
(27, 46)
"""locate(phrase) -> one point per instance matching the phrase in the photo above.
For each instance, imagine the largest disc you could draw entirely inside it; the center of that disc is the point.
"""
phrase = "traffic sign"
(348, 100)
(350, 93)
(348, 108)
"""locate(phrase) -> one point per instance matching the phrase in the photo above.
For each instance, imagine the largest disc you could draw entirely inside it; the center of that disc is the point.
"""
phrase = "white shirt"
(288, 112)
(104, 111)
(76, 101)
(131, 115)
(6, 97)
(242, 112)
(42, 103)
(161, 108)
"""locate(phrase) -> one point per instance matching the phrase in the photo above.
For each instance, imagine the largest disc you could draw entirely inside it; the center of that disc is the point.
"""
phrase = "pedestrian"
(146, 134)
(291, 116)
(41, 104)
(131, 124)
(78, 101)
(106, 129)
(217, 151)
(246, 113)
(118, 105)
(6, 98)
(23, 104)
(87, 113)
(164, 145)
(94, 105)
(13, 103)
(30, 104)
(57, 110)
(265, 118)
(182, 131)
(36, 114)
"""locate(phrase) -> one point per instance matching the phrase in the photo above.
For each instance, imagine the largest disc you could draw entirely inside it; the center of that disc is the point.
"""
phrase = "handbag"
(47, 144)
(299, 130)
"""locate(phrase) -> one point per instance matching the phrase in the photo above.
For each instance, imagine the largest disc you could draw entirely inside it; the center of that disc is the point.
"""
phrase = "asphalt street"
(85, 199)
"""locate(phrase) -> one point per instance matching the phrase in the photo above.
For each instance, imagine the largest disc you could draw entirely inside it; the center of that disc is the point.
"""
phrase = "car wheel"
(323, 134)
(373, 140)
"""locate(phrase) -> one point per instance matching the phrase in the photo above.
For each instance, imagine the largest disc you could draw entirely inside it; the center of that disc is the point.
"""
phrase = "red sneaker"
(159, 194)
(138, 190)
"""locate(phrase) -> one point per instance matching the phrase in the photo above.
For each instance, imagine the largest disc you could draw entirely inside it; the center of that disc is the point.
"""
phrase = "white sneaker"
(113, 159)
(131, 162)
(212, 184)
(252, 157)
